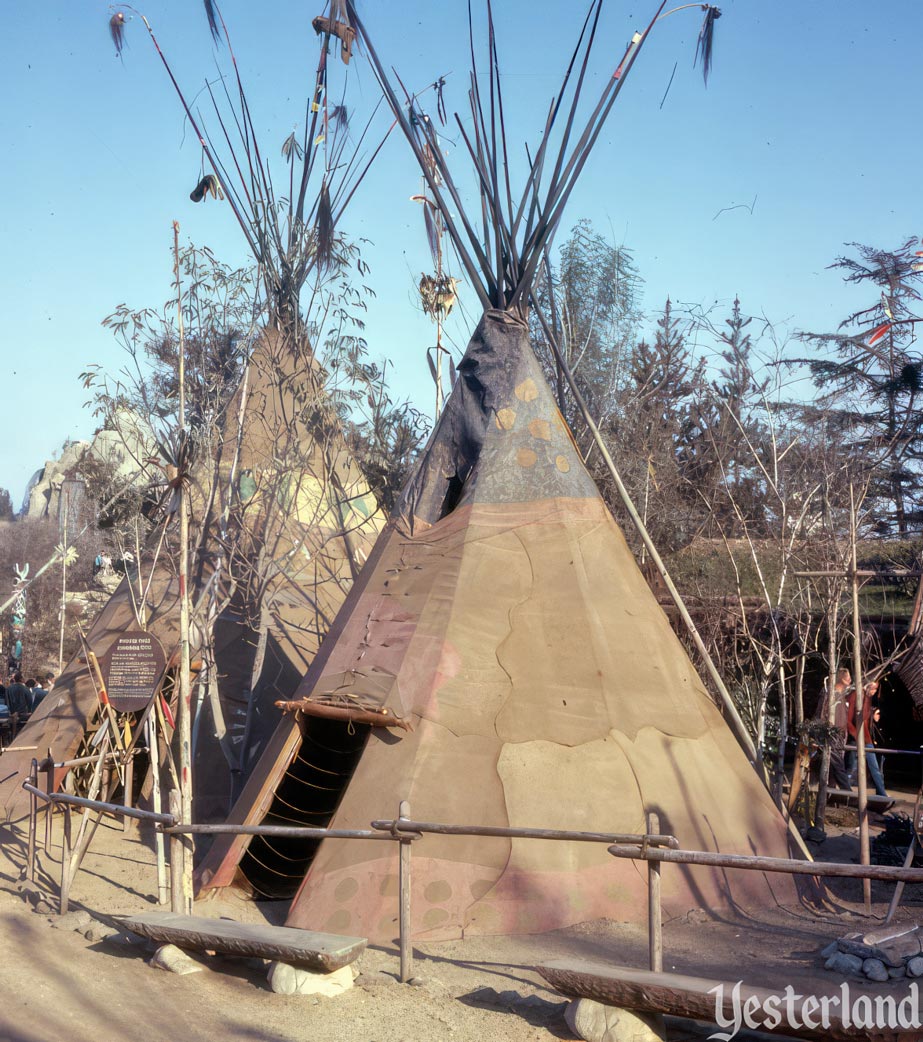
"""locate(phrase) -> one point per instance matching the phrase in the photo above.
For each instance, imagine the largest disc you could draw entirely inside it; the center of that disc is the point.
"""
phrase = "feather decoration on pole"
(212, 15)
(117, 31)
(324, 227)
(706, 41)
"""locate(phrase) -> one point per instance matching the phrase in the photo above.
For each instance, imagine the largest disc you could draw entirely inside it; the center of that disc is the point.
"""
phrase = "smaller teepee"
(503, 617)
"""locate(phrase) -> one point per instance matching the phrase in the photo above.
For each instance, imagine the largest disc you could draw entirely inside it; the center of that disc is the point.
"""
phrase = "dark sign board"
(132, 669)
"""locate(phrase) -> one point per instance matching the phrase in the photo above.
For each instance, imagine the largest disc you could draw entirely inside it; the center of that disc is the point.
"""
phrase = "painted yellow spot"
(561, 463)
(527, 391)
(526, 458)
(540, 429)
(339, 921)
(437, 891)
(434, 917)
(346, 889)
(505, 419)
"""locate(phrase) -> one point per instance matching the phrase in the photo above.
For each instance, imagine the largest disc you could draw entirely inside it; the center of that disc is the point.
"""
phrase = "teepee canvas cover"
(504, 615)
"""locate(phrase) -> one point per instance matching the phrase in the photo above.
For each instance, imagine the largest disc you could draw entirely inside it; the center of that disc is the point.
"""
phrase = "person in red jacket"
(871, 714)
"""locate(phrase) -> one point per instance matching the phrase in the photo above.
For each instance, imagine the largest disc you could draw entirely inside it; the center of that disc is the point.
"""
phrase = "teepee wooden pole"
(864, 849)
(184, 723)
(737, 724)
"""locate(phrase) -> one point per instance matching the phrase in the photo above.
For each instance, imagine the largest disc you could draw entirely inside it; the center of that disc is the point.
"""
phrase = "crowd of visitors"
(20, 698)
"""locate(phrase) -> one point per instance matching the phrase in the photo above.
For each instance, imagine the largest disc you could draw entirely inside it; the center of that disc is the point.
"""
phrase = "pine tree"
(873, 387)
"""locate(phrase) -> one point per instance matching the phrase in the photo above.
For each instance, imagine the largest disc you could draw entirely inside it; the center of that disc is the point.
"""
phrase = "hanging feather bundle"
(438, 295)
(209, 185)
(212, 15)
(706, 41)
(339, 115)
(439, 85)
(341, 30)
(433, 233)
(324, 227)
(176, 457)
(117, 31)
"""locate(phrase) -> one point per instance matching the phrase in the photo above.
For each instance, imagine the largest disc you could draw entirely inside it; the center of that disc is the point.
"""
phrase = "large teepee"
(503, 617)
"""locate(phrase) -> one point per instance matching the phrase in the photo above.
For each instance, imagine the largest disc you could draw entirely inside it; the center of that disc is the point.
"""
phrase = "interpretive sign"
(132, 669)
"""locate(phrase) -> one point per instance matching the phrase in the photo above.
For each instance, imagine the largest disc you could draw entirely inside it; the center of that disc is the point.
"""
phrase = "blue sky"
(811, 110)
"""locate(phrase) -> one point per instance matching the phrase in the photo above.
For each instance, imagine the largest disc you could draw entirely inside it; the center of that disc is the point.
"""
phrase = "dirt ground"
(70, 984)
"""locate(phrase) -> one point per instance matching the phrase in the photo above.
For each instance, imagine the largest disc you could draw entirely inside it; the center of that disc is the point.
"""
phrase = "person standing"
(871, 715)
(19, 701)
(841, 689)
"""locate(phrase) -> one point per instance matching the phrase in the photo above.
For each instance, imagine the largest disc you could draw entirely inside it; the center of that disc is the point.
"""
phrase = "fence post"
(654, 918)
(65, 859)
(404, 880)
(33, 822)
(49, 806)
(177, 902)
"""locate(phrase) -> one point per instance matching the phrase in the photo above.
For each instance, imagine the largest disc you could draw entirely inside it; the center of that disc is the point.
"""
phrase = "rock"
(875, 969)
(72, 921)
(100, 932)
(43, 907)
(292, 980)
(915, 966)
(174, 960)
(831, 949)
(844, 964)
(596, 1022)
(897, 971)
(535, 1009)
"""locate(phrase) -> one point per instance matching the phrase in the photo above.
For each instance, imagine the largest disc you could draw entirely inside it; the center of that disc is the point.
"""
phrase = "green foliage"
(872, 385)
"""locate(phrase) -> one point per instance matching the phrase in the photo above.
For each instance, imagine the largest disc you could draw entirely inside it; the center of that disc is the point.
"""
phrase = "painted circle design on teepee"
(562, 464)
(505, 419)
(527, 390)
(346, 889)
(480, 887)
(437, 891)
(340, 920)
(540, 429)
(526, 458)
(434, 917)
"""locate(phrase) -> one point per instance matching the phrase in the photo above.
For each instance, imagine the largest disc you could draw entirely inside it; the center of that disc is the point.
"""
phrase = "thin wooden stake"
(66, 874)
(404, 874)
(864, 848)
(49, 806)
(184, 702)
(33, 823)
(177, 904)
(153, 747)
(654, 915)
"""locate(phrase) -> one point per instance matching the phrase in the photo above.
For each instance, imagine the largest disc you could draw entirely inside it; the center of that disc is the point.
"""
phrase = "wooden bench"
(877, 803)
(677, 995)
(320, 952)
